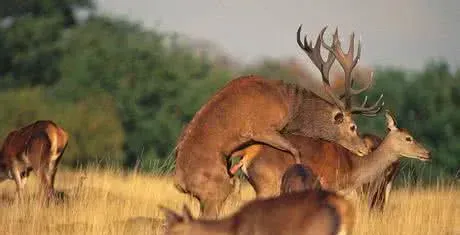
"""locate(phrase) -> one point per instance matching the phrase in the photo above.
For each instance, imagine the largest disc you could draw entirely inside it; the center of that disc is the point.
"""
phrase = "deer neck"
(305, 112)
(372, 165)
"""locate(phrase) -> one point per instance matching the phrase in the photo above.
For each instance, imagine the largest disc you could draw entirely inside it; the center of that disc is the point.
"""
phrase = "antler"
(348, 62)
(362, 109)
(324, 66)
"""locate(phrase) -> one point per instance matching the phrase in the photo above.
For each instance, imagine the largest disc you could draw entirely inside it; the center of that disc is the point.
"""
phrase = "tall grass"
(111, 201)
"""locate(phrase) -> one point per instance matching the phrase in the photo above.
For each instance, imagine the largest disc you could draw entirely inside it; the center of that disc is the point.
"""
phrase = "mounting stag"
(252, 109)
(309, 212)
(38, 147)
(337, 168)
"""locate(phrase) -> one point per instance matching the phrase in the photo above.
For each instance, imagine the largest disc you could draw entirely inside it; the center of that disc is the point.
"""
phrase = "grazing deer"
(337, 168)
(38, 147)
(308, 212)
(251, 110)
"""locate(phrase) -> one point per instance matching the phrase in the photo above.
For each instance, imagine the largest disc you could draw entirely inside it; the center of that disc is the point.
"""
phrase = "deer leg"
(276, 140)
(43, 174)
(19, 182)
(212, 189)
(52, 172)
(211, 207)
(54, 166)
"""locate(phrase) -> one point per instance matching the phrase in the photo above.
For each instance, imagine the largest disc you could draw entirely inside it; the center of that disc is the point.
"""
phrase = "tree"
(427, 104)
(157, 86)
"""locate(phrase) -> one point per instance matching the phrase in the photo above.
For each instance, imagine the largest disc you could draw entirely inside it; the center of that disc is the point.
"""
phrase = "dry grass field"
(111, 202)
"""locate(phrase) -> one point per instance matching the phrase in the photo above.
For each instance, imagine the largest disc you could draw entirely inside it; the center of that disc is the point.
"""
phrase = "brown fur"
(378, 191)
(308, 212)
(338, 169)
(298, 178)
(38, 147)
(251, 110)
(229, 121)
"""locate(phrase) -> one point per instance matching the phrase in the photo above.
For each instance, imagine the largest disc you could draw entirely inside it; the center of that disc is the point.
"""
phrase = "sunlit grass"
(113, 202)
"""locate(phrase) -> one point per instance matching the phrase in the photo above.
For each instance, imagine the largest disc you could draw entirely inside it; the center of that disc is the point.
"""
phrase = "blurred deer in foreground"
(309, 212)
(38, 147)
(337, 168)
(252, 110)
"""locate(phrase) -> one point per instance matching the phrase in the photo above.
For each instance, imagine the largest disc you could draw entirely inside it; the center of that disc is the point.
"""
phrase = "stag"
(36, 147)
(309, 212)
(337, 168)
(251, 110)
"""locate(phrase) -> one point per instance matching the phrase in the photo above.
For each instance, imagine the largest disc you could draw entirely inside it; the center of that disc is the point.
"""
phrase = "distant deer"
(251, 110)
(337, 168)
(309, 212)
(38, 147)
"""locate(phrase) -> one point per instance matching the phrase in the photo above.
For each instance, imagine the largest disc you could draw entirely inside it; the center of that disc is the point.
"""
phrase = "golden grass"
(109, 202)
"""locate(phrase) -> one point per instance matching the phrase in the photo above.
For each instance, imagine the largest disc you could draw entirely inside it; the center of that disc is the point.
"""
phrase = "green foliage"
(92, 123)
(426, 103)
(157, 86)
(30, 54)
(40, 8)
(124, 93)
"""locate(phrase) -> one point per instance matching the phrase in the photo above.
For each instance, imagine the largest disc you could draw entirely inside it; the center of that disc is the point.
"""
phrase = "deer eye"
(409, 139)
(338, 118)
(353, 128)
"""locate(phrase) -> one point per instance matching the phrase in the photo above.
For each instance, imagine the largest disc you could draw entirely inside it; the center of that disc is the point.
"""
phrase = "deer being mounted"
(378, 190)
(38, 147)
(309, 212)
(251, 110)
(337, 168)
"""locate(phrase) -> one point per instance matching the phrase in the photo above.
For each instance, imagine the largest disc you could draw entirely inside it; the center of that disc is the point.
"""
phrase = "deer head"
(402, 141)
(345, 131)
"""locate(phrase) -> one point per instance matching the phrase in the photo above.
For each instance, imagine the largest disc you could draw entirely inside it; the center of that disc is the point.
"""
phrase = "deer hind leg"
(211, 205)
(212, 191)
(19, 182)
(44, 173)
(276, 140)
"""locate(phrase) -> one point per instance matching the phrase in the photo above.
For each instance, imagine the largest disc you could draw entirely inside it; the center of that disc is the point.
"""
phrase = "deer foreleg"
(276, 140)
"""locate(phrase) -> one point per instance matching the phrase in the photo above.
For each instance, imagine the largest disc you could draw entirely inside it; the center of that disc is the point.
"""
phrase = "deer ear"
(171, 216)
(187, 214)
(391, 122)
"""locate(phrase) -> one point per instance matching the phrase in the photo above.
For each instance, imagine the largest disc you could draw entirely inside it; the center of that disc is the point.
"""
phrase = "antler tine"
(369, 111)
(347, 61)
(314, 53)
(362, 109)
(354, 92)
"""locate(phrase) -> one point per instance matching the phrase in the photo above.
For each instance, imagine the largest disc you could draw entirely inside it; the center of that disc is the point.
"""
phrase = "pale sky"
(393, 32)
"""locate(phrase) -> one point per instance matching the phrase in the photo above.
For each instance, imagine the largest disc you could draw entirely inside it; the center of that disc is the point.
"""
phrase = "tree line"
(124, 93)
